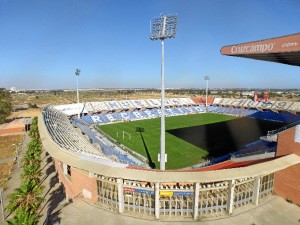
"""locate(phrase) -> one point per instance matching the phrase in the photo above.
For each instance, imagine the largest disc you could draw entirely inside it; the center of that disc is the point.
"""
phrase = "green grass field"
(181, 154)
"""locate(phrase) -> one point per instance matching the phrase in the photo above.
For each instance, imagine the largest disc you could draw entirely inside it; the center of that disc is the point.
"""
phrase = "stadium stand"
(112, 106)
(175, 101)
(238, 102)
(108, 148)
(89, 107)
(217, 101)
(282, 105)
(111, 117)
(99, 106)
(153, 103)
(249, 104)
(254, 113)
(254, 148)
(125, 104)
(259, 149)
(277, 117)
(140, 104)
(286, 127)
(187, 101)
(265, 105)
(295, 107)
(65, 136)
(72, 109)
(227, 101)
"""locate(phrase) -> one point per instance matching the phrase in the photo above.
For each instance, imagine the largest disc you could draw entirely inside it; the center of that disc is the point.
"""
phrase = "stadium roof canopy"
(285, 49)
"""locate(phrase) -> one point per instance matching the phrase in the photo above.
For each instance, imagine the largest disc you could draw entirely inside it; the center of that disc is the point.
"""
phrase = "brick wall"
(79, 184)
(287, 181)
(82, 182)
(63, 179)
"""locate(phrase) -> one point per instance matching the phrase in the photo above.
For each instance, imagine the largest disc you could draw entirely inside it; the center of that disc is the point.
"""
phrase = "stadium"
(132, 149)
(103, 169)
(92, 167)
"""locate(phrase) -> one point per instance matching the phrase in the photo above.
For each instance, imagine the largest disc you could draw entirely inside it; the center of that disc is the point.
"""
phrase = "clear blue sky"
(42, 42)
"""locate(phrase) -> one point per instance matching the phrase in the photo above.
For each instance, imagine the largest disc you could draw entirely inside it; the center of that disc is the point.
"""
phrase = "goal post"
(126, 134)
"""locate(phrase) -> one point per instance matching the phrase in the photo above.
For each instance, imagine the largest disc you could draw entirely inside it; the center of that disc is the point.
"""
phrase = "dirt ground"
(6, 145)
(25, 113)
(5, 171)
(7, 155)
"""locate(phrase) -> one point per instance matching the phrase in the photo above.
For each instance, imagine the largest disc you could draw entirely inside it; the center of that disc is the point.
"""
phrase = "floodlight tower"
(161, 28)
(207, 79)
(77, 73)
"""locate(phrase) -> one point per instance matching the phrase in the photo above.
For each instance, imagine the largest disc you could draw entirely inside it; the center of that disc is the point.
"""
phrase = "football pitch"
(180, 153)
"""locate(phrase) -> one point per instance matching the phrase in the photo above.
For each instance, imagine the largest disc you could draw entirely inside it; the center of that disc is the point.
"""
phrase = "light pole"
(207, 79)
(77, 73)
(161, 28)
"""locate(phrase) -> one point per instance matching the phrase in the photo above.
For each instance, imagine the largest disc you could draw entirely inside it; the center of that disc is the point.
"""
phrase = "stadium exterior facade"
(132, 190)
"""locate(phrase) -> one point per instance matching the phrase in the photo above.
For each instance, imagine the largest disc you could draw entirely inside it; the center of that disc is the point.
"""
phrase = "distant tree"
(5, 104)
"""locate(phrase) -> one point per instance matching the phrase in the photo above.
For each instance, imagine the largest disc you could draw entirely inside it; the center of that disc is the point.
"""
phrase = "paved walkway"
(53, 193)
(276, 211)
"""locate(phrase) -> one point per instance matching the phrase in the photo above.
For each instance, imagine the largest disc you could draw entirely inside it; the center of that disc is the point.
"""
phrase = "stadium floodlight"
(207, 79)
(161, 28)
(77, 73)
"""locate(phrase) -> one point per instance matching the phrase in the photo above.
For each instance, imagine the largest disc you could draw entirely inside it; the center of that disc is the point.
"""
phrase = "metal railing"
(272, 132)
